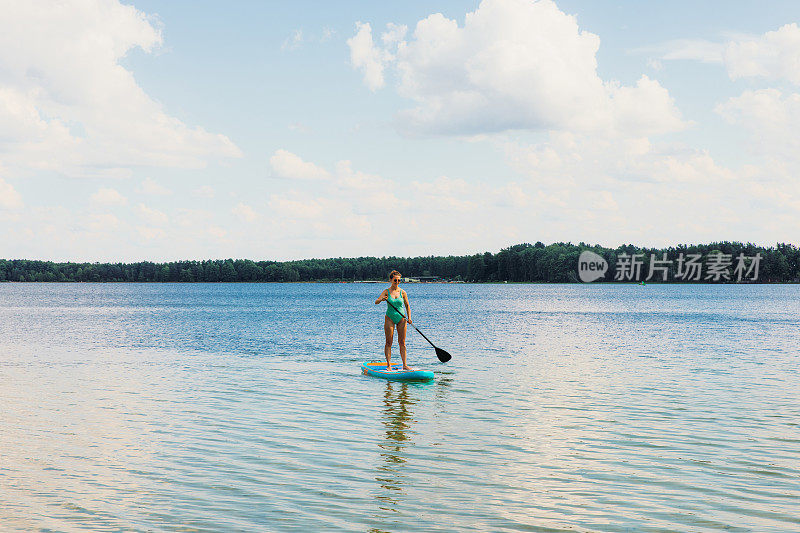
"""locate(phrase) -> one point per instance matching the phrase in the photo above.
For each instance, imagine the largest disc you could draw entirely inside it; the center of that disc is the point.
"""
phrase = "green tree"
(228, 272)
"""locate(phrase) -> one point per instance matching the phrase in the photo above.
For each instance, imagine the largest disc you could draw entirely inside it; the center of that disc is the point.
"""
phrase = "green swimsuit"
(393, 315)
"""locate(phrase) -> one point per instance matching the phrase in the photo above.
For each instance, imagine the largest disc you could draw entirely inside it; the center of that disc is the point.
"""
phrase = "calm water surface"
(240, 407)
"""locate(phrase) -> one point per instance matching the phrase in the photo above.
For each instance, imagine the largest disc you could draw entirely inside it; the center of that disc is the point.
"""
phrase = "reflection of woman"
(397, 421)
(397, 414)
(397, 297)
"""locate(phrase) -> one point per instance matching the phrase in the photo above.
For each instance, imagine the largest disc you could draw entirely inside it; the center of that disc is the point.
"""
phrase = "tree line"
(557, 262)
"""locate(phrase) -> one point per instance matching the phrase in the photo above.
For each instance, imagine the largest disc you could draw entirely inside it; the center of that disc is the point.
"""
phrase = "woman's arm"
(408, 307)
(383, 297)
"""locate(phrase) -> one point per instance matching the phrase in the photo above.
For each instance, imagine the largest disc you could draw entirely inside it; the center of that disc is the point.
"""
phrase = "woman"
(397, 297)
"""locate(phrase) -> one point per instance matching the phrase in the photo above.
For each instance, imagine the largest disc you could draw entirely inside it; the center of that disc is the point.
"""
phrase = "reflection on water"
(397, 419)
(443, 383)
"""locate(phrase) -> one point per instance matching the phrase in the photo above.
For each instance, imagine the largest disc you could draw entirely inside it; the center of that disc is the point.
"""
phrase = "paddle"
(441, 354)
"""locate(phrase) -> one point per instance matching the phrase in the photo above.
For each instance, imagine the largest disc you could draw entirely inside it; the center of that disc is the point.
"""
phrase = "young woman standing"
(397, 297)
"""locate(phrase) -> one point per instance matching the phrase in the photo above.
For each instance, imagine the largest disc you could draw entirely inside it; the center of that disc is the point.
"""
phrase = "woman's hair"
(394, 273)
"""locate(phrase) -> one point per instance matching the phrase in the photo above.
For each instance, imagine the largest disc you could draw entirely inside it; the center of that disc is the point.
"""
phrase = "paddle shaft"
(415, 327)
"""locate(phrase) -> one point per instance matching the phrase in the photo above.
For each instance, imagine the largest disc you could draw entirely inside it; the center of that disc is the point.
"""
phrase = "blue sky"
(187, 130)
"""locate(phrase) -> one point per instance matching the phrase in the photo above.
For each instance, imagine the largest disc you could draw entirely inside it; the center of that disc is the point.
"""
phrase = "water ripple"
(565, 408)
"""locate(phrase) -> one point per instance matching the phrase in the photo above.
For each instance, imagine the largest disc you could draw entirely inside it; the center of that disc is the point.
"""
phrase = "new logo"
(591, 266)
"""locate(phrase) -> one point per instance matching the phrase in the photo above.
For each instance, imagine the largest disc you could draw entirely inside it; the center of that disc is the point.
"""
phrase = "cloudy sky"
(277, 130)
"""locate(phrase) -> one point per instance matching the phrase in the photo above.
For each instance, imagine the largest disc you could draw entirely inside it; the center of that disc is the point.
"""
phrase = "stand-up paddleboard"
(379, 370)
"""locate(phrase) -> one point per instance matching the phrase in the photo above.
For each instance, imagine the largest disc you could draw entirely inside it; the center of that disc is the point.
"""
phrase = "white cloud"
(64, 234)
(302, 216)
(101, 222)
(192, 218)
(353, 203)
(774, 55)
(295, 207)
(149, 234)
(514, 64)
(770, 118)
(216, 232)
(57, 232)
(445, 194)
(353, 208)
(512, 195)
(290, 166)
(204, 191)
(152, 216)
(591, 189)
(108, 196)
(365, 56)
(294, 41)
(153, 188)
(394, 33)
(67, 105)
(605, 202)
(356, 179)
(767, 115)
(375, 193)
(572, 162)
(701, 50)
(299, 38)
(244, 212)
(571, 187)
(198, 225)
(9, 197)
(644, 110)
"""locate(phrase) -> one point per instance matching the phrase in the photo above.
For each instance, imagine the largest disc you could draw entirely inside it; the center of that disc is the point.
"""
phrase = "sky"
(167, 130)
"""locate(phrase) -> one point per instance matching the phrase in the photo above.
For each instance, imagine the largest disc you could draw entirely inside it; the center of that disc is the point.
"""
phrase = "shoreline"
(333, 282)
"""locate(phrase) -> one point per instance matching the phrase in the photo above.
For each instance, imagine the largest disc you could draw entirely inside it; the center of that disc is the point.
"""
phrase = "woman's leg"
(388, 329)
(401, 340)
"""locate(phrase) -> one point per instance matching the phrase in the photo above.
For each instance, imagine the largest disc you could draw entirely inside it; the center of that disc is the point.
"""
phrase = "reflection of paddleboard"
(379, 370)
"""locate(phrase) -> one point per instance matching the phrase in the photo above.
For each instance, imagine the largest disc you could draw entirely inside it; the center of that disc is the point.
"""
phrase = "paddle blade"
(442, 355)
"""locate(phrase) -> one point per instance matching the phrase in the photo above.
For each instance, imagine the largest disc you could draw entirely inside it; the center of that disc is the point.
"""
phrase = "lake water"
(216, 407)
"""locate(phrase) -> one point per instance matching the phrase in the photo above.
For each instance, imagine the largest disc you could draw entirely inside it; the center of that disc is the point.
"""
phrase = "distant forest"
(519, 263)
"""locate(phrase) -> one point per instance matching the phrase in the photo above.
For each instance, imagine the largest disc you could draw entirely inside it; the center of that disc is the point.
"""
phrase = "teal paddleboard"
(379, 370)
